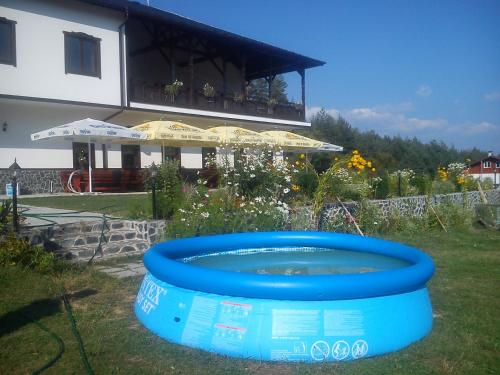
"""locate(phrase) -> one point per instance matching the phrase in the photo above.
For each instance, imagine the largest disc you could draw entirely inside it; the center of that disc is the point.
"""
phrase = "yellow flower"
(373, 169)
(349, 165)
(297, 162)
(336, 159)
(295, 187)
(302, 156)
(355, 152)
(369, 164)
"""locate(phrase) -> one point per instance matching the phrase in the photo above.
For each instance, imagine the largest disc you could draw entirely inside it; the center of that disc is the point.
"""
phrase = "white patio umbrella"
(90, 131)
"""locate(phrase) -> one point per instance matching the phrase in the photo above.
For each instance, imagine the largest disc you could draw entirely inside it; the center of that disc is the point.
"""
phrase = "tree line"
(388, 153)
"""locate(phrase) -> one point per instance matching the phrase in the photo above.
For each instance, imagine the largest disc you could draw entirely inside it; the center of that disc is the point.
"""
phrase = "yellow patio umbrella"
(173, 133)
(292, 141)
(235, 136)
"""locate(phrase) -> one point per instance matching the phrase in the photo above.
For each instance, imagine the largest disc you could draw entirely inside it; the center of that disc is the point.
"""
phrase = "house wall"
(40, 69)
(495, 177)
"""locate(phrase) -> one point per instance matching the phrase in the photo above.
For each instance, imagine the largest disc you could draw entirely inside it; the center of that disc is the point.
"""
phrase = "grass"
(114, 205)
(465, 338)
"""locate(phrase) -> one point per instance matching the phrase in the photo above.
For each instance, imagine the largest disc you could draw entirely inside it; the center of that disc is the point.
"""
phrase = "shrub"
(346, 179)
(451, 215)
(400, 183)
(382, 188)
(487, 183)
(367, 215)
(307, 181)
(255, 176)
(15, 251)
(423, 184)
(168, 188)
(5, 216)
(225, 212)
(442, 187)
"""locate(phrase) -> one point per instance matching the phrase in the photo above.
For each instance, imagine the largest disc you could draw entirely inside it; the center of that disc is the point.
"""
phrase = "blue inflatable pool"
(287, 296)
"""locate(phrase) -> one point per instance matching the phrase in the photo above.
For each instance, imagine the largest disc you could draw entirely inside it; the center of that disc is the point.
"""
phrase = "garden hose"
(76, 334)
(67, 305)
(101, 238)
(54, 336)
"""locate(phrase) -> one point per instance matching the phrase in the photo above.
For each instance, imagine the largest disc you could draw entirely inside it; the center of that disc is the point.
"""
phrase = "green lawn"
(465, 292)
(114, 205)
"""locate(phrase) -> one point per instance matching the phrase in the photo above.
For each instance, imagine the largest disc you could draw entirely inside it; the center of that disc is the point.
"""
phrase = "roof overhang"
(259, 55)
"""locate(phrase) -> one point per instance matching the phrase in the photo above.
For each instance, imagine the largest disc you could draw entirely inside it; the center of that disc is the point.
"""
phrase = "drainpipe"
(121, 31)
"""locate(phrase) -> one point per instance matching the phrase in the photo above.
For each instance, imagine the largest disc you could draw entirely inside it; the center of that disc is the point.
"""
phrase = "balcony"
(154, 93)
(163, 48)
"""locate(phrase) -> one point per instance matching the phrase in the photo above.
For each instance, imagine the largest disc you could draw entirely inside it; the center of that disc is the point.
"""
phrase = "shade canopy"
(292, 141)
(235, 136)
(172, 133)
(90, 130)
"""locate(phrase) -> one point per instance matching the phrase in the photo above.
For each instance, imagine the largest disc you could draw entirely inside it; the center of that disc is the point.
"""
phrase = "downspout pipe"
(121, 31)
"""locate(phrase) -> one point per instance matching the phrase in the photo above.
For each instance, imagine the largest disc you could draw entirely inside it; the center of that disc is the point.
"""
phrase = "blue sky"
(424, 68)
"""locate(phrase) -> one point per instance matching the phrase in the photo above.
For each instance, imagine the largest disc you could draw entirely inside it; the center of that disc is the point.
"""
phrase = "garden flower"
(286, 190)
(205, 215)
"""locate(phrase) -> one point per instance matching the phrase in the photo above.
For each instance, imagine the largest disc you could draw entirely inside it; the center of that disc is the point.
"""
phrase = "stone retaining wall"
(34, 181)
(412, 206)
(78, 241)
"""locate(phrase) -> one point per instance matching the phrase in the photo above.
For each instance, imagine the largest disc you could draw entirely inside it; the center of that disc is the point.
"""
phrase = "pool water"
(296, 261)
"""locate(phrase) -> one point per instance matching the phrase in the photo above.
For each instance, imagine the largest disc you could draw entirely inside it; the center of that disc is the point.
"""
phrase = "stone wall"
(411, 206)
(34, 181)
(78, 241)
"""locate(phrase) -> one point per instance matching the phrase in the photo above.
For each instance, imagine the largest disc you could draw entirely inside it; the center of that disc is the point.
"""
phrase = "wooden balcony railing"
(155, 94)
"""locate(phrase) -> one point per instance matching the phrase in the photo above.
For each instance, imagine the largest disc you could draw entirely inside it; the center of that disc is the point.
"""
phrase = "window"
(82, 54)
(7, 41)
(81, 155)
(131, 156)
(171, 153)
(497, 164)
(487, 164)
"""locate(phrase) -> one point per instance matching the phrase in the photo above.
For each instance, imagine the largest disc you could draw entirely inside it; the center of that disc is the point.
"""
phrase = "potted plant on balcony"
(172, 90)
(209, 92)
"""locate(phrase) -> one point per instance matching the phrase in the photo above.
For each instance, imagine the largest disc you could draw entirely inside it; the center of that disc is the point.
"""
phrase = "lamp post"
(154, 174)
(15, 168)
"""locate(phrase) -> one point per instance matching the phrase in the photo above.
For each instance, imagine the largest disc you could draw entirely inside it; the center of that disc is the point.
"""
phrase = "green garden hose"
(76, 334)
(54, 336)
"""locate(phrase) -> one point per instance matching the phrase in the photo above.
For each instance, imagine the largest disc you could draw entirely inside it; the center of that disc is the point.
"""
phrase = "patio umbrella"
(292, 141)
(173, 133)
(91, 131)
(236, 136)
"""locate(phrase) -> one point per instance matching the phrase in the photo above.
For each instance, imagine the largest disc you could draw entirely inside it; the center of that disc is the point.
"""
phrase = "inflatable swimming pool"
(287, 296)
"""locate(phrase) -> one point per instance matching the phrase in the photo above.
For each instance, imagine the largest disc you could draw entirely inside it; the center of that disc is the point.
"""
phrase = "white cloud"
(493, 96)
(391, 118)
(477, 128)
(395, 119)
(424, 90)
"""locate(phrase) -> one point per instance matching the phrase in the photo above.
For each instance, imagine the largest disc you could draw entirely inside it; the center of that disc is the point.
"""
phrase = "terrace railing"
(155, 94)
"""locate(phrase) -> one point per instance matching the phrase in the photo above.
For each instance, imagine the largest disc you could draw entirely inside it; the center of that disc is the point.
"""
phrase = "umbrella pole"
(90, 167)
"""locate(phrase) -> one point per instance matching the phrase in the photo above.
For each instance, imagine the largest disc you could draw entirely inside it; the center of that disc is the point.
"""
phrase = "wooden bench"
(108, 180)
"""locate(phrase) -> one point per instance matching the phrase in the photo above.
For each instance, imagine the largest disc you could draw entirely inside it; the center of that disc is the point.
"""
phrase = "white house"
(111, 60)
